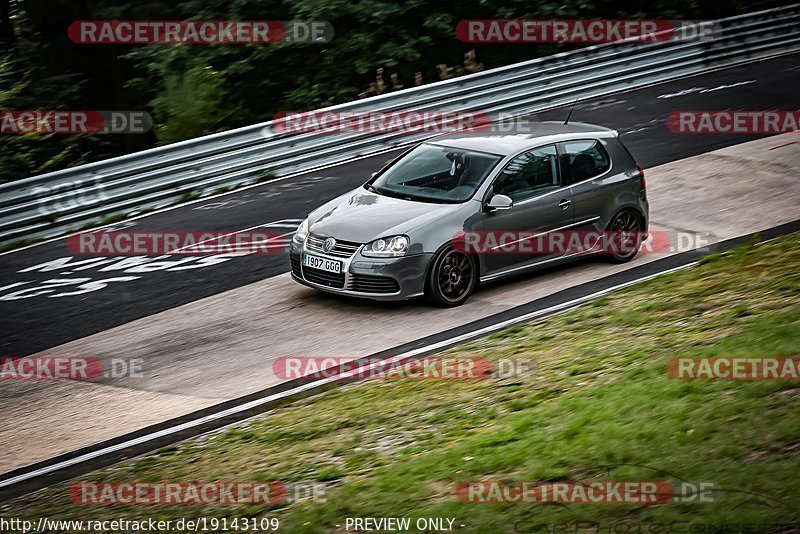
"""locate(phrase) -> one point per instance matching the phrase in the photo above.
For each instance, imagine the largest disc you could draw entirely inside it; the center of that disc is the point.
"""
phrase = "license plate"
(323, 264)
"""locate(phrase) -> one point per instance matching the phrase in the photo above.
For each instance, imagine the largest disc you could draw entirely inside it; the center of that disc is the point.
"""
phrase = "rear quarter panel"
(616, 189)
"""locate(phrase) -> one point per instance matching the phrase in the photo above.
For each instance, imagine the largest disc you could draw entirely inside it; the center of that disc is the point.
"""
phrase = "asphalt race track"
(36, 316)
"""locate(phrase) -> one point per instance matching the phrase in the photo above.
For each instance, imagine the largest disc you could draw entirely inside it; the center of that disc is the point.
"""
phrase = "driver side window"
(529, 175)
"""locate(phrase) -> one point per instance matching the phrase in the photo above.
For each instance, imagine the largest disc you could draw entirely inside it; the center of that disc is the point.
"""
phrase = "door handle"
(564, 204)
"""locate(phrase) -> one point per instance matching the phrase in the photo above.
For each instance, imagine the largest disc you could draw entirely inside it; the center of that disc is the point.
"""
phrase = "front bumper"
(373, 278)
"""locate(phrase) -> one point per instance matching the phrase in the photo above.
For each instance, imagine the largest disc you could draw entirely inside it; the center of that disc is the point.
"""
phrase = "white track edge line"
(299, 389)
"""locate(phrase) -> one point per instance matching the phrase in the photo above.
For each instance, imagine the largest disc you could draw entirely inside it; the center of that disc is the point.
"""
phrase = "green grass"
(109, 219)
(11, 245)
(265, 176)
(189, 195)
(598, 406)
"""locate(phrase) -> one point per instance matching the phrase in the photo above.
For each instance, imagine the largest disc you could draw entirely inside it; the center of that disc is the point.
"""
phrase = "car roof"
(543, 132)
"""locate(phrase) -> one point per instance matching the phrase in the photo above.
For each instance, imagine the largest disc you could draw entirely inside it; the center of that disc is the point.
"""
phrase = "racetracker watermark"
(625, 492)
(583, 31)
(414, 368)
(46, 122)
(199, 32)
(69, 368)
(176, 493)
(568, 242)
(190, 243)
(734, 368)
(379, 121)
(202, 493)
(733, 122)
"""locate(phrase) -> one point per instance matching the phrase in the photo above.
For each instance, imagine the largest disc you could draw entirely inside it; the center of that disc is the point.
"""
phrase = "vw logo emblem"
(328, 245)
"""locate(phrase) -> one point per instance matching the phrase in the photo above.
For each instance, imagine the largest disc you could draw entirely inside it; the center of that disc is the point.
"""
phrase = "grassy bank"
(598, 406)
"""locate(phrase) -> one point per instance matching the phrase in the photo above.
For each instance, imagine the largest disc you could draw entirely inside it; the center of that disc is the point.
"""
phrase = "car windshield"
(431, 173)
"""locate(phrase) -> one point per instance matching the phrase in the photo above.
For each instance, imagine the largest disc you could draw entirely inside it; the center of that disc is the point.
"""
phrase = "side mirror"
(499, 202)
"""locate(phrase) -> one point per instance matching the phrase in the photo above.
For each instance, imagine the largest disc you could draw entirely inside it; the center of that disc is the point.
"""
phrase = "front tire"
(451, 279)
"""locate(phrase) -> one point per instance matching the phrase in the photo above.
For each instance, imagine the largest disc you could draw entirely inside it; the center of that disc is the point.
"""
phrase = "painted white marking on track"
(691, 90)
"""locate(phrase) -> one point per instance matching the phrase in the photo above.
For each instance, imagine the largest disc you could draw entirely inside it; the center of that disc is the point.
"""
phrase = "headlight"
(387, 247)
(301, 234)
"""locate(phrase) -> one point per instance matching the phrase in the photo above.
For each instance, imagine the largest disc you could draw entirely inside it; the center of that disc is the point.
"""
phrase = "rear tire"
(451, 279)
(627, 235)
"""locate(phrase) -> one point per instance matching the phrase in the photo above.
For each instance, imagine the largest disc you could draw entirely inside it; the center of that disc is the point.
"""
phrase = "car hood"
(362, 216)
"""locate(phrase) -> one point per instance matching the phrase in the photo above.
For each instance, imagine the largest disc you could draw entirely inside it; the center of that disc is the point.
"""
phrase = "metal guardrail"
(62, 201)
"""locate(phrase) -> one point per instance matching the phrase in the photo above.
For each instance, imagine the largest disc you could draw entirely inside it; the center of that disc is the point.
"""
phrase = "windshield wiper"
(396, 194)
(385, 192)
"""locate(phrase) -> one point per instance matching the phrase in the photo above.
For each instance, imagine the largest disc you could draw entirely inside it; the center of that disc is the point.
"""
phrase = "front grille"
(342, 249)
(295, 260)
(324, 278)
(367, 283)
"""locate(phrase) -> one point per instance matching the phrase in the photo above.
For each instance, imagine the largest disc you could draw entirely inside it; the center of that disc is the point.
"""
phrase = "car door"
(541, 204)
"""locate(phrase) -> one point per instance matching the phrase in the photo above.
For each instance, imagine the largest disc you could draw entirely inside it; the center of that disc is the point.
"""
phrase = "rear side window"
(585, 159)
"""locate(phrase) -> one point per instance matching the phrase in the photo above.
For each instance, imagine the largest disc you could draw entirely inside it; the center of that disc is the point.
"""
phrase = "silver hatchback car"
(403, 233)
